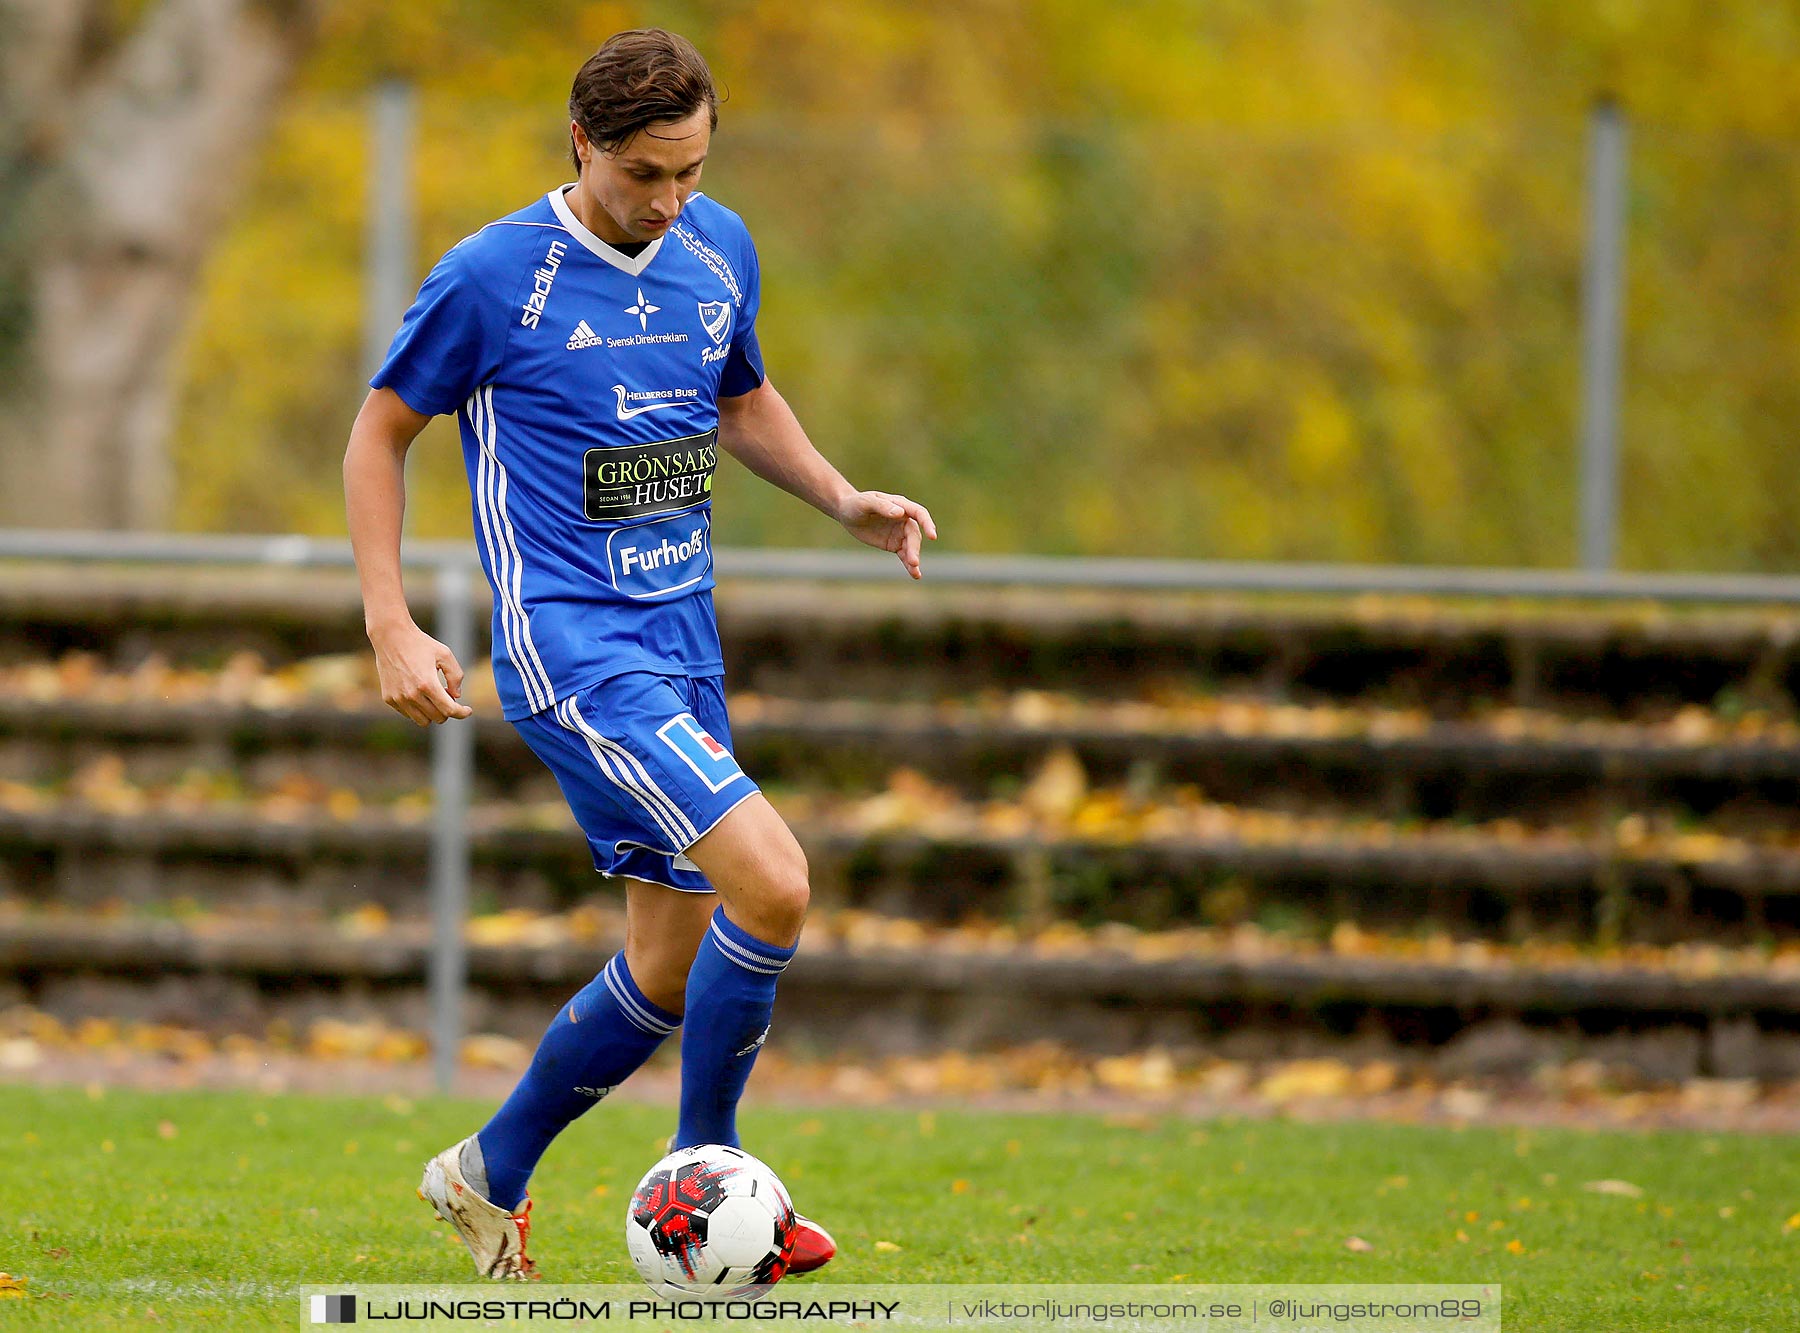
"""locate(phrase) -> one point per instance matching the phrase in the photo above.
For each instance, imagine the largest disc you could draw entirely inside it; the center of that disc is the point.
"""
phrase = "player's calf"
(756, 865)
(663, 930)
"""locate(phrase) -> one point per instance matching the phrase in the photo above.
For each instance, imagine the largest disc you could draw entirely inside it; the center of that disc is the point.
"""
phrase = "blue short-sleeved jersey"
(586, 384)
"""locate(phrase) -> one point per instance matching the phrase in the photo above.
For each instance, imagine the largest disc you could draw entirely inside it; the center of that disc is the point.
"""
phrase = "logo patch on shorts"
(712, 763)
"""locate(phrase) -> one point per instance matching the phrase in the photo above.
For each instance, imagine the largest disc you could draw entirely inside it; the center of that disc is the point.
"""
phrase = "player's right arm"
(407, 658)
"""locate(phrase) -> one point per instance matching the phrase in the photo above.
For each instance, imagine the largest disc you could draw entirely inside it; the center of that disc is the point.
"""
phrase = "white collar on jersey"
(632, 264)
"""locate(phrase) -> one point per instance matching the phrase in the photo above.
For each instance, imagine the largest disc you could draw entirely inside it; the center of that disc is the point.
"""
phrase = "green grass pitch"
(207, 1207)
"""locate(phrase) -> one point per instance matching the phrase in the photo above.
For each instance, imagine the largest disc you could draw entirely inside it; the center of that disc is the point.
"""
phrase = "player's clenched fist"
(420, 677)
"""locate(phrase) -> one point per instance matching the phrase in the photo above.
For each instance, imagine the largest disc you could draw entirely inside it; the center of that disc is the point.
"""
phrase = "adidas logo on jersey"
(584, 337)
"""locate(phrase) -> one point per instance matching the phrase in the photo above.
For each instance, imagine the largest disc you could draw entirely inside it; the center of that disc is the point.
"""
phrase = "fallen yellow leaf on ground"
(490, 1050)
(1624, 1188)
(1299, 1080)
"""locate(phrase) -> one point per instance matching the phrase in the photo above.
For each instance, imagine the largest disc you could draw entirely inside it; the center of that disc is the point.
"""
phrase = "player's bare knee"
(779, 904)
(791, 902)
(794, 886)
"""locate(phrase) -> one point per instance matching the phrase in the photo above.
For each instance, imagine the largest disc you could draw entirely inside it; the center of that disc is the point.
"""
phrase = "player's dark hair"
(636, 79)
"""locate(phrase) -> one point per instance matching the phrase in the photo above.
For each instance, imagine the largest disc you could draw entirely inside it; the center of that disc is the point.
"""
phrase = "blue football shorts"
(645, 763)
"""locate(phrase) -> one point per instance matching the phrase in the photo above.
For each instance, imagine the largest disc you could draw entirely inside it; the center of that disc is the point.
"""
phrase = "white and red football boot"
(495, 1237)
(813, 1246)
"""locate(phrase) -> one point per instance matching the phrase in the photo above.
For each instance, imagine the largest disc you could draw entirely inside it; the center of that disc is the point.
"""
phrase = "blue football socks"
(592, 1045)
(730, 998)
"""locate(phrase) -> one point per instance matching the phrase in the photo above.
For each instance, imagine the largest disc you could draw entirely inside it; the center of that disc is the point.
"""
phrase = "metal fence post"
(388, 277)
(452, 762)
(1602, 305)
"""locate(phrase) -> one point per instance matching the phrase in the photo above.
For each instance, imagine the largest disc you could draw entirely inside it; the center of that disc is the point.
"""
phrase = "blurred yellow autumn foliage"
(1294, 280)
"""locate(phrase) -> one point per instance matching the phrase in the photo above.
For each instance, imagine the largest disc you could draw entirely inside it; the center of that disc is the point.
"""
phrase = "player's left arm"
(761, 431)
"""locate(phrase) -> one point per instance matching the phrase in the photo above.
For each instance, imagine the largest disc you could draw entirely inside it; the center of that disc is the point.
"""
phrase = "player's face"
(642, 188)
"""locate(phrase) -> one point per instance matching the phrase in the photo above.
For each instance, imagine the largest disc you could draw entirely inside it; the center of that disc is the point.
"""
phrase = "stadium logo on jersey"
(715, 318)
(584, 336)
(662, 557)
(712, 763)
(636, 403)
(643, 310)
(541, 281)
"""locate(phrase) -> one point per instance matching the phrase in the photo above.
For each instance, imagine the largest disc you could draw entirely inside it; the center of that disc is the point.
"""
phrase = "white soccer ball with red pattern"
(710, 1221)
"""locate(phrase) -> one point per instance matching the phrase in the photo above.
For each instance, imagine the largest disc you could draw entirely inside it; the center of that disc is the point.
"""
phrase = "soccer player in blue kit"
(599, 349)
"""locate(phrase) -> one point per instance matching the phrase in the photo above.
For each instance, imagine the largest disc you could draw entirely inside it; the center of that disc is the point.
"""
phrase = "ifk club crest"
(715, 318)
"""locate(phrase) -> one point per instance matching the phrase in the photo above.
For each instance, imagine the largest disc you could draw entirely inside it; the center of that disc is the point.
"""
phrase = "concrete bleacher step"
(1475, 769)
(223, 976)
(821, 641)
(1464, 879)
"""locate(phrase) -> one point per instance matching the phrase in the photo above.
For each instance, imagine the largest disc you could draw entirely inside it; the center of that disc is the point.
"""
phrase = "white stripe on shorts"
(629, 773)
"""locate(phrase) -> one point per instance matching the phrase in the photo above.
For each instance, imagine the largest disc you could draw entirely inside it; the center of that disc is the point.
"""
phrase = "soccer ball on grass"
(710, 1221)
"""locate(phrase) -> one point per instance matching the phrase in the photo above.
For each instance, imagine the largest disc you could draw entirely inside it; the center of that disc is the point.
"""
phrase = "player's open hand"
(889, 523)
(420, 677)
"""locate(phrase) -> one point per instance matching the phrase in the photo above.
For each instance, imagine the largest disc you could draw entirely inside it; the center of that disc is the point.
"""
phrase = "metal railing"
(454, 564)
(857, 566)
